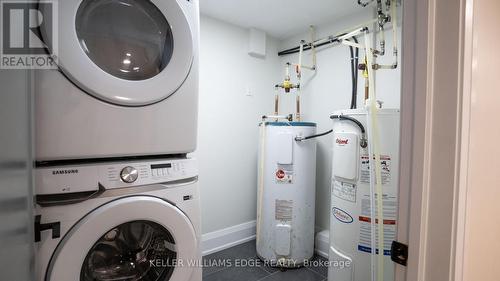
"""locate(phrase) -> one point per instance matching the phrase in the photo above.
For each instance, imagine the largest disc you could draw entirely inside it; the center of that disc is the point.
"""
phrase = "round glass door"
(138, 250)
(136, 238)
(126, 52)
(129, 39)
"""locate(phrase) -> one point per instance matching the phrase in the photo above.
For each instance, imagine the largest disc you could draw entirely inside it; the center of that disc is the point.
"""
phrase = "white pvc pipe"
(352, 44)
(394, 20)
(375, 179)
(373, 262)
(300, 59)
(261, 177)
(300, 65)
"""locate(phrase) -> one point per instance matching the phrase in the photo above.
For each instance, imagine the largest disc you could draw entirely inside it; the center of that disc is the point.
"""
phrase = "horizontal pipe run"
(288, 117)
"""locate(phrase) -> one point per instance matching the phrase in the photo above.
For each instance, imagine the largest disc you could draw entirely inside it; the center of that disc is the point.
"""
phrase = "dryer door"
(126, 52)
(134, 238)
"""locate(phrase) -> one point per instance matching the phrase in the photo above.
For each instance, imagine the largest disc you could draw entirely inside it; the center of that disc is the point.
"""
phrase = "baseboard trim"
(228, 237)
(222, 239)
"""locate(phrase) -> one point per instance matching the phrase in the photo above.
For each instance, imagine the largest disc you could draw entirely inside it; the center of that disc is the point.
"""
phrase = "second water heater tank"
(286, 193)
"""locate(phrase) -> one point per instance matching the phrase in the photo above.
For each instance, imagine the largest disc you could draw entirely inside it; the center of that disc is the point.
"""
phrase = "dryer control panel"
(88, 177)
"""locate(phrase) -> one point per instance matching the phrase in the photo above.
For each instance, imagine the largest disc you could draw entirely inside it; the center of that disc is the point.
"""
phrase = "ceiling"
(279, 18)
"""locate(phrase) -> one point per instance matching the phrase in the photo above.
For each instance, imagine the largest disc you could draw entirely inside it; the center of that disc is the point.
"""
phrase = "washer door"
(134, 238)
(126, 52)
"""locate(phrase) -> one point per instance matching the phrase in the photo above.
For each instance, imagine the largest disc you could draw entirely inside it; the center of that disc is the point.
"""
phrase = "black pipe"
(364, 4)
(340, 117)
(353, 99)
(294, 50)
(354, 74)
(343, 117)
(313, 136)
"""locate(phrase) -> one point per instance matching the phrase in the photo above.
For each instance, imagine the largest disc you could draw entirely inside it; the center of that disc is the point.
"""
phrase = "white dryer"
(126, 83)
(136, 221)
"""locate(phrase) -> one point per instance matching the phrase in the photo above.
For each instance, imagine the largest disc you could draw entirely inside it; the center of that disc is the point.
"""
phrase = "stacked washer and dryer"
(117, 195)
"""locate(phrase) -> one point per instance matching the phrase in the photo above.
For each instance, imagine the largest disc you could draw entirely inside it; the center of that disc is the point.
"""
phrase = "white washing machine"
(126, 84)
(137, 221)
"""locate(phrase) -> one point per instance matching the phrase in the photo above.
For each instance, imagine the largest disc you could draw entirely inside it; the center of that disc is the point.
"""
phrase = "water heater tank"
(286, 193)
(350, 219)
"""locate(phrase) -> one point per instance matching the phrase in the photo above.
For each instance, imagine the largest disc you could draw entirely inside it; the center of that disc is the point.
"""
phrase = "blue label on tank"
(369, 250)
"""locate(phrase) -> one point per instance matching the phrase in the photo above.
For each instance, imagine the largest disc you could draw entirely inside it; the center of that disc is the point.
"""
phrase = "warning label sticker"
(344, 190)
(385, 162)
(283, 210)
(390, 213)
(284, 175)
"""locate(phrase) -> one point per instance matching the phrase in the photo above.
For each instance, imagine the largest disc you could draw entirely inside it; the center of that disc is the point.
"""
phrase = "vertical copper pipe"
(298, 107)
(276, 104)
(367, 89)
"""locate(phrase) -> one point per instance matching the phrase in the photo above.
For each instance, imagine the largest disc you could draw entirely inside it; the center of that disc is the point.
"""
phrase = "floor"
(242, 264)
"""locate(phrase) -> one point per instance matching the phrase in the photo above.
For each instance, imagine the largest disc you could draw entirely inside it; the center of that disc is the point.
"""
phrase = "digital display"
(161, 166)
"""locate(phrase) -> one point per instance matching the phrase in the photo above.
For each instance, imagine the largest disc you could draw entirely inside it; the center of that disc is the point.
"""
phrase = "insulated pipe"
(375, 179)
(312, 46)
(299, 66)
(313, 38)
(261, 177)
(381, 52)
(363, 142)
(301, 138)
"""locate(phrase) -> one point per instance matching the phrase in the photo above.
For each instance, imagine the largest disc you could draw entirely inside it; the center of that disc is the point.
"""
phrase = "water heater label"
(344, 190)
(283, 210)
(385, 162)
(390, 213)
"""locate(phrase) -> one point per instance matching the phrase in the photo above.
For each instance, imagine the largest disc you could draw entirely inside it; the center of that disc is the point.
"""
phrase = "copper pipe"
(367, 89)
(298, 108)
(276, 104)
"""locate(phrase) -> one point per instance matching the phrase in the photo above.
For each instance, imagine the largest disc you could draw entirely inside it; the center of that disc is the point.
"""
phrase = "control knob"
(129, 174)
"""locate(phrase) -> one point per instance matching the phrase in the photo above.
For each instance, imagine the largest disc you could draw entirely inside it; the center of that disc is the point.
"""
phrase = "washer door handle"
(39, 227)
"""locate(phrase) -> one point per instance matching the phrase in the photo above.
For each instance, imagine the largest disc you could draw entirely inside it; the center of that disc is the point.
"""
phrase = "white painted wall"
(330, 90)
(228, 121)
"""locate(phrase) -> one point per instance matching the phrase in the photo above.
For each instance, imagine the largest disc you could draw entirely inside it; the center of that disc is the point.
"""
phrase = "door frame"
(436, 35)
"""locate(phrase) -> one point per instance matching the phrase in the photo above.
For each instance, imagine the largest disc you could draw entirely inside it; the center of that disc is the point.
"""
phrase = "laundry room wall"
(329, 89)
(236, 89)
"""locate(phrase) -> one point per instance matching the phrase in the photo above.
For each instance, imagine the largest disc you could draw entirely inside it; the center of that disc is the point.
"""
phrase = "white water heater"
(286, 193)
(350, 217)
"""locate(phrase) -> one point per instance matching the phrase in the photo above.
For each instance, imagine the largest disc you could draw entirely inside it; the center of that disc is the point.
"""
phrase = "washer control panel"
(85, 178)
